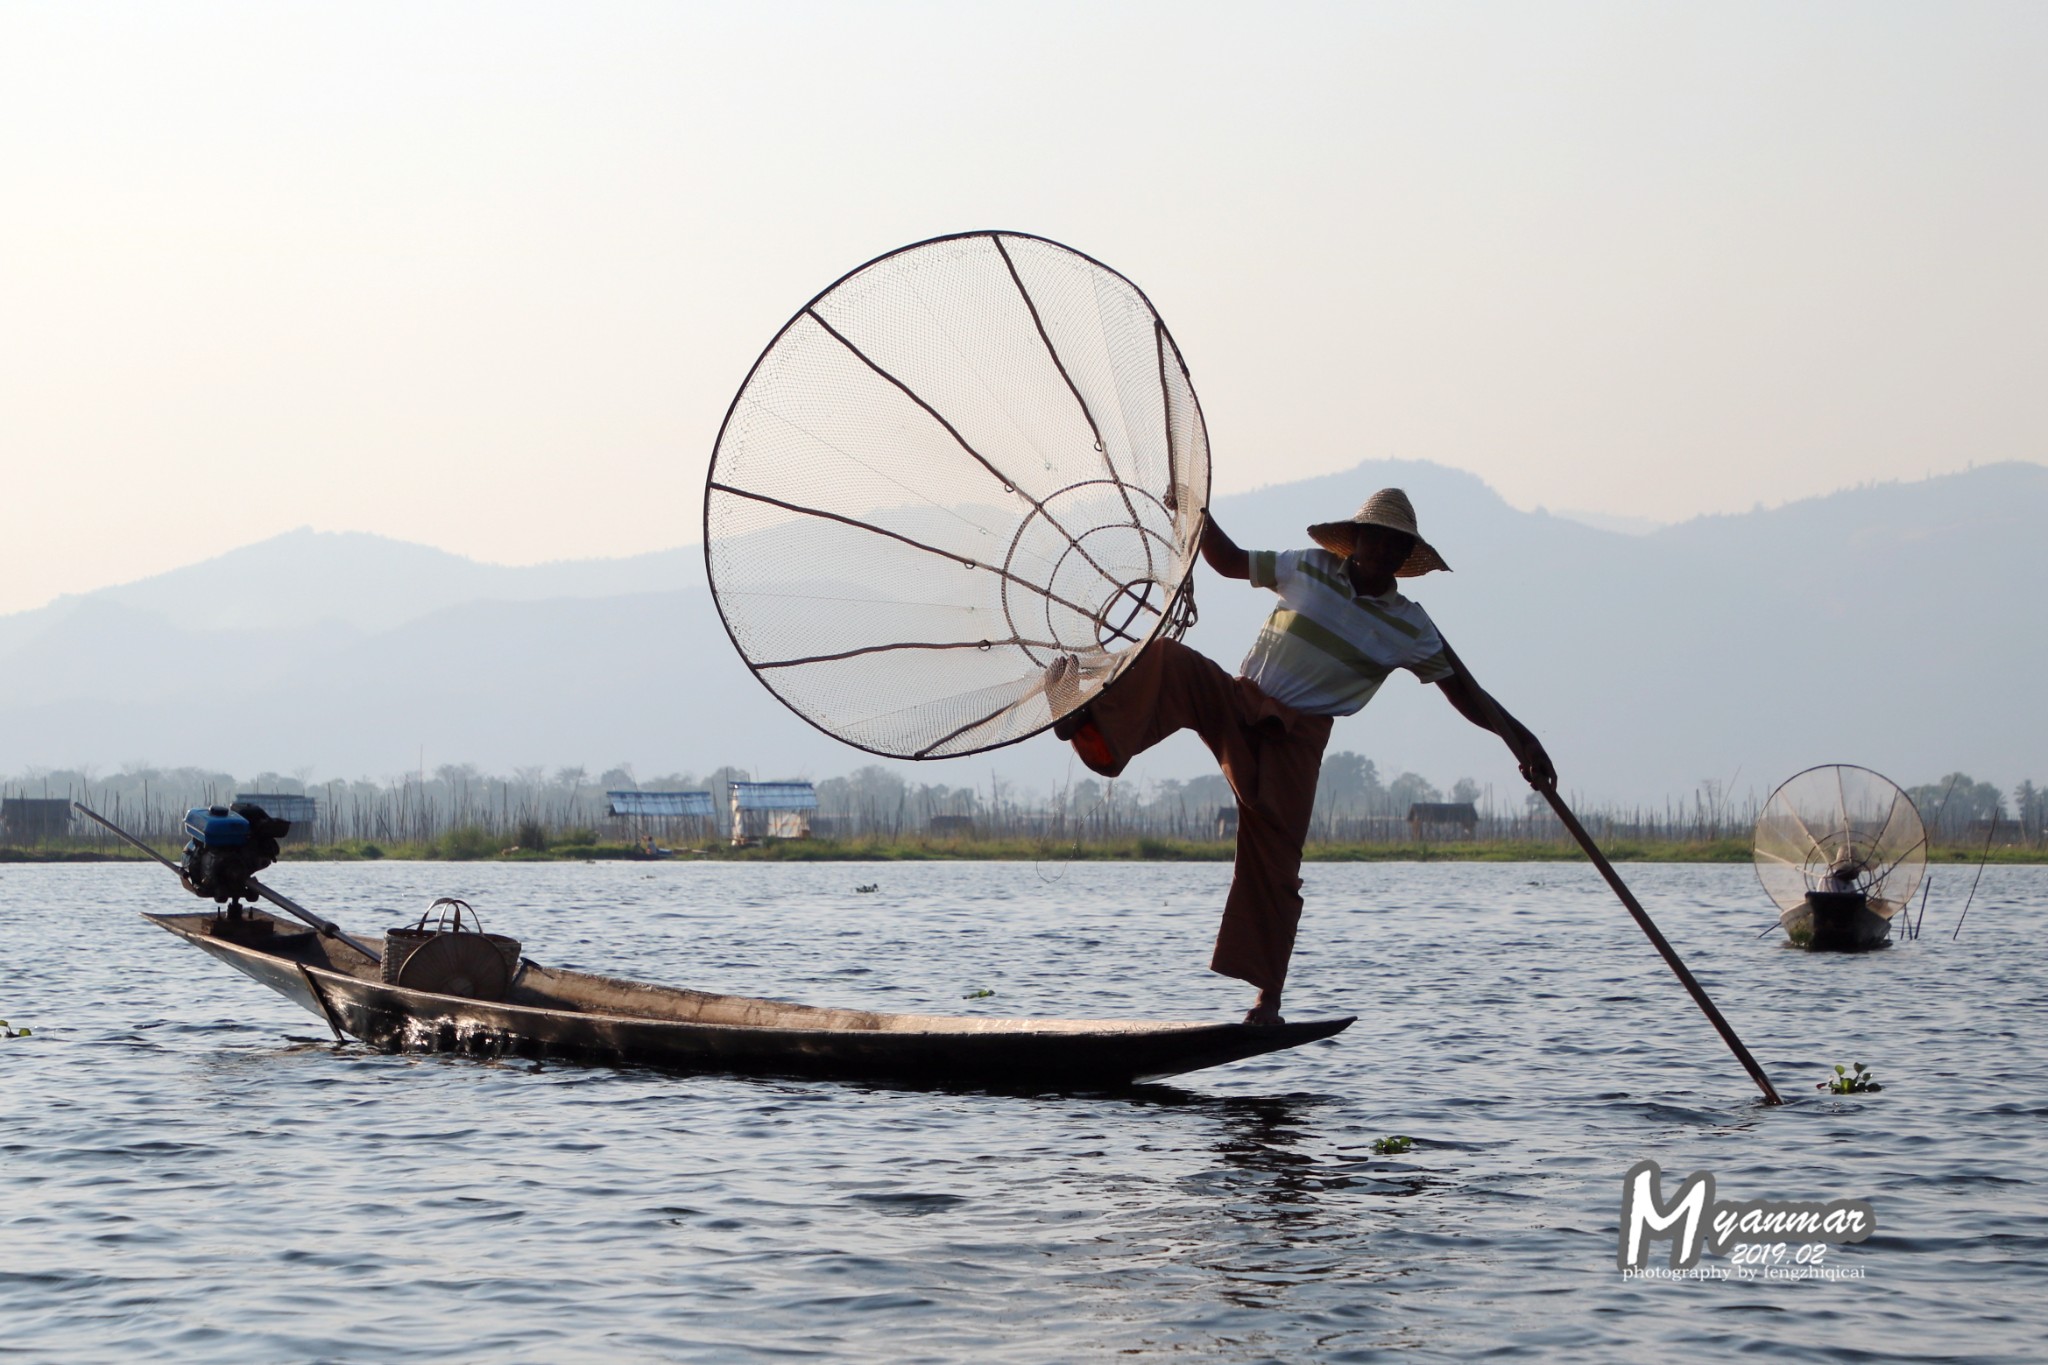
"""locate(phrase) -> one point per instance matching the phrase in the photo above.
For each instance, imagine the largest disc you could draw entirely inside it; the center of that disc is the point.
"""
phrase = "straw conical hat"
(1389, 508)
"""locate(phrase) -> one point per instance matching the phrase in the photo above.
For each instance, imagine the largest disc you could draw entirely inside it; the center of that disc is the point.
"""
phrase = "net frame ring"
(1139, 593)
(1157, 547)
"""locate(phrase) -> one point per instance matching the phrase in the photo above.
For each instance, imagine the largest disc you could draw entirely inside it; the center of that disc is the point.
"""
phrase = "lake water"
(193, 1171)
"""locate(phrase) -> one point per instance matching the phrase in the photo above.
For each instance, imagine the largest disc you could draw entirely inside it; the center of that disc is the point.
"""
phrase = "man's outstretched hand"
(1476, 705)
(1537, 768)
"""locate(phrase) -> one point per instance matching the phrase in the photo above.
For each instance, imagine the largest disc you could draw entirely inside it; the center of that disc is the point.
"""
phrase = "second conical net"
(1840, 828)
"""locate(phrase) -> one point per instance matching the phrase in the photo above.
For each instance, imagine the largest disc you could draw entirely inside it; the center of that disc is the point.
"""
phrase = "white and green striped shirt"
(1325, 650)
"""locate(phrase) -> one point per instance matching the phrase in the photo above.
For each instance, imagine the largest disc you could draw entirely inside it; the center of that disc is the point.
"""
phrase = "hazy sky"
(486, 275)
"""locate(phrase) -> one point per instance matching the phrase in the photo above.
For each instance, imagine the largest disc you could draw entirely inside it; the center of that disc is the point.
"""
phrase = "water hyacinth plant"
(1847, 1082)
(1392, 1146)
(7, 1030)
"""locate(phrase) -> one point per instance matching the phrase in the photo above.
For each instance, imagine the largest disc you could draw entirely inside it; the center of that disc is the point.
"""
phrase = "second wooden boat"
(1836, 922)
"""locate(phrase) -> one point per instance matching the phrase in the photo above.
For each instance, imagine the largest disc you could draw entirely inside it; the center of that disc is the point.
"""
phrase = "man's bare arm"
(1222, 552)
(1475, 704)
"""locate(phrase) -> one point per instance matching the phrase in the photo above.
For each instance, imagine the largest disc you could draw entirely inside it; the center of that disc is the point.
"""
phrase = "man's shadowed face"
(1376, 552)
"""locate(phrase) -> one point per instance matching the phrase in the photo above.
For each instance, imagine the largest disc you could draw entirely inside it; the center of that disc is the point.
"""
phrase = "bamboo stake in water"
(1663, 946)
(1988, 836)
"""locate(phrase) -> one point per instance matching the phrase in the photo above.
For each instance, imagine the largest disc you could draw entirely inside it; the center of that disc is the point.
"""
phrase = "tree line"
(532, 806)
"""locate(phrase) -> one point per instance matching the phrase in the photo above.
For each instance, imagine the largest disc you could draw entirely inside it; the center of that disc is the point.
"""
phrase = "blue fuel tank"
(216, 827)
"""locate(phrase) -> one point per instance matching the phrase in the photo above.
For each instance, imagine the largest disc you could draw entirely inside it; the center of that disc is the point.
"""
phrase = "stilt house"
(664, 815)
(771, 810)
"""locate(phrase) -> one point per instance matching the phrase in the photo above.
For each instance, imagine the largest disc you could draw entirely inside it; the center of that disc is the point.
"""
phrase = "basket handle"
(454, 905)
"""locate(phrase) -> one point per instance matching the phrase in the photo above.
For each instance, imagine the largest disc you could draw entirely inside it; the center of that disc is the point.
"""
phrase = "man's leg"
(1276, 800)
(1168, 687)
(1270, 754)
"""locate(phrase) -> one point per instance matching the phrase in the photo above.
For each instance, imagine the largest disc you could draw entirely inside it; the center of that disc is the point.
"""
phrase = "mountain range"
(1893, 625)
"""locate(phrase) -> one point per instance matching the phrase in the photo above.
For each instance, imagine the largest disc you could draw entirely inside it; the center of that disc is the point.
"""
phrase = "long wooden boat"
(551, 1014)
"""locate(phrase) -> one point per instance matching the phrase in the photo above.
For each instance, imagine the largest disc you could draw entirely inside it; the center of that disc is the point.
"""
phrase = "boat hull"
(1836, 922)
(554, 1015)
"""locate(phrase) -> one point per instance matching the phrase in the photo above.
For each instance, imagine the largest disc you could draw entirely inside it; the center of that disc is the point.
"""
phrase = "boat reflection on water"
(1268, 1214)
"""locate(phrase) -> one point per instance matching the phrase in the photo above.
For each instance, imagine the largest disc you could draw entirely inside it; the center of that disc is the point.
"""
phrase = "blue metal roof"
(665, 804)
(775, 795)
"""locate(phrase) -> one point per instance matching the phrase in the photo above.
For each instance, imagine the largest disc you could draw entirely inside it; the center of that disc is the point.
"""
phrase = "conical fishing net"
(965, 461)
(1841, 828)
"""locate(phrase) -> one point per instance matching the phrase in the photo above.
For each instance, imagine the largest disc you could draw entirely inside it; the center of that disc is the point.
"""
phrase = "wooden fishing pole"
(1662, 945)
(1499, 722)
(327, 927)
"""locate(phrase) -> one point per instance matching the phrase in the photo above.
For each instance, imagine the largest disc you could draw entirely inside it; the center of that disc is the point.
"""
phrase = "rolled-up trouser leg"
(1269, 753)
(1276, 800)
(1168, 687)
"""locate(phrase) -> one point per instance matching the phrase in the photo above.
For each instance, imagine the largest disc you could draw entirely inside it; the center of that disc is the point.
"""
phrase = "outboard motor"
(229, 845)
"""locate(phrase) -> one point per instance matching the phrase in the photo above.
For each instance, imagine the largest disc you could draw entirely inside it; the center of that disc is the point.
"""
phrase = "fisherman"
(1339, 630)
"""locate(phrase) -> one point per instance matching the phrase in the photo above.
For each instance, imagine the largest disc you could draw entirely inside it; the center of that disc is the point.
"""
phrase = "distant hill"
(363, 581)
(1894, 626)
(1862, 626)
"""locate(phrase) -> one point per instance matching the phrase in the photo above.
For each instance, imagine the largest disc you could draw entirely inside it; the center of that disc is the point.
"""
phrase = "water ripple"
(189, 1172)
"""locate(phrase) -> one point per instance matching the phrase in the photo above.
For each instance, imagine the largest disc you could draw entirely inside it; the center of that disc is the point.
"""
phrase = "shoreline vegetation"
(458, 814)
(467, 845)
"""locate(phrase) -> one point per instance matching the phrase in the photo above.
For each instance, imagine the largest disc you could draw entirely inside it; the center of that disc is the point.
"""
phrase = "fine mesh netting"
(966, 460)
(1841, 828)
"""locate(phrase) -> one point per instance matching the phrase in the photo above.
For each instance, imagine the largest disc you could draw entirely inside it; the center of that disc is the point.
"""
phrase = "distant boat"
(1840, 849)
(1837, 922)
(467, 992)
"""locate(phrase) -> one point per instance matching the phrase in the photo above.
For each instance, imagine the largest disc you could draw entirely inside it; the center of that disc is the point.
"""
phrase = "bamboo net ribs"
(965, 461)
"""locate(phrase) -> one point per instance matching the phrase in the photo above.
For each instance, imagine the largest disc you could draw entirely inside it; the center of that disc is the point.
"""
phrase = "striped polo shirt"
(1326, 650)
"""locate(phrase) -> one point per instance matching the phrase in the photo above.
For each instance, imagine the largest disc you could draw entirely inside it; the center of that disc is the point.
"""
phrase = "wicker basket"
(400, 944)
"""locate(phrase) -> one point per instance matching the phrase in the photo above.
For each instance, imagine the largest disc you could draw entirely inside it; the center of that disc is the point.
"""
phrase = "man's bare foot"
(1062, 686)
(1267, 1011)
(1075, 720)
